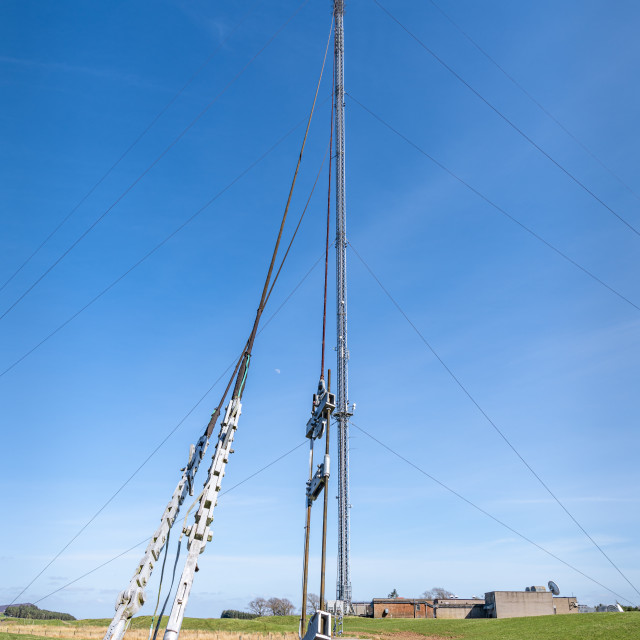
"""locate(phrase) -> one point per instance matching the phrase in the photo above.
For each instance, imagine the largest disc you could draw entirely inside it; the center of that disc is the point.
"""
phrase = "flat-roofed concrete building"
(518, 604)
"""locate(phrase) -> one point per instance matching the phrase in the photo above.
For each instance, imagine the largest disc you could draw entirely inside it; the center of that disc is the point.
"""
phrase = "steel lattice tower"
(342, 414)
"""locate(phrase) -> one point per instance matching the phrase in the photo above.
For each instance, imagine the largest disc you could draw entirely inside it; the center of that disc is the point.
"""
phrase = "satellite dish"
(553, 587)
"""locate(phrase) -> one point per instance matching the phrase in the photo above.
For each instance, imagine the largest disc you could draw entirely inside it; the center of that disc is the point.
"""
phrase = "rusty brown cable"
(193, 408)
(293, 237)
(158, 246)
(305, 570)
(216, 414)
(241, 377)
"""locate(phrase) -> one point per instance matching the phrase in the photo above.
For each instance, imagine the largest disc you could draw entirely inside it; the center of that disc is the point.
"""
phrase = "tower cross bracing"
(342, 414)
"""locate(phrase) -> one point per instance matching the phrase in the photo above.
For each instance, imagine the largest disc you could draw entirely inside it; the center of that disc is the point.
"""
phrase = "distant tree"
(280, 606)
(259, 606)
(393, 594)
(313, 602)
(241, 615)
(437, 592)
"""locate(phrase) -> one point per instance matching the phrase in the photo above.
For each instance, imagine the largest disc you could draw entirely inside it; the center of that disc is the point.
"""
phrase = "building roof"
(401, 600)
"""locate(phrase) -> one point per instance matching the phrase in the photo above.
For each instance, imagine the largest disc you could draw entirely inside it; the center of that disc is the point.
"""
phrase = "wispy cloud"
(64, 67)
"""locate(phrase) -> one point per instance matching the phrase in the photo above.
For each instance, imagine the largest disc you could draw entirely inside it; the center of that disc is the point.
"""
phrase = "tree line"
(34, 613)
(240, 615)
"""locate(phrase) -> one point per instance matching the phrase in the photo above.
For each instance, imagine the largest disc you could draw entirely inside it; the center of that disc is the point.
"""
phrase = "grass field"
(586, 626)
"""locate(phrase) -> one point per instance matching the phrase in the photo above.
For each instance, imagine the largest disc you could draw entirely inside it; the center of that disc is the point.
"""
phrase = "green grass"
(585, 626)
(51, 623)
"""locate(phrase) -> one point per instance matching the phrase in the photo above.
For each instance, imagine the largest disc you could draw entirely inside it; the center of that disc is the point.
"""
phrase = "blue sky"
(548, 353)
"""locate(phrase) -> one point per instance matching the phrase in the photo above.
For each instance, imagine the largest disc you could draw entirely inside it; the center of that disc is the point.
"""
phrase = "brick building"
(402, 608)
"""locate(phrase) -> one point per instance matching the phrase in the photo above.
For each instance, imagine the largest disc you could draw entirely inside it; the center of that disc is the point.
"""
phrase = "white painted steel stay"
(132, 598)
(200, 533)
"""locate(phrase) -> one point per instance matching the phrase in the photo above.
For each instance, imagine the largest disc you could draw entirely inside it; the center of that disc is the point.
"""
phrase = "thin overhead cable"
(295, 233)
(494, 205)
(264, 301)
(155, 248)
(259, 471)
(153, 164)
(88, 573)
(486, 513)
(246, 351)
(533, 99)
(486, 416)
(216, 413)
(141, 135)
(306, 206)
(246, 358)
(157, 448)
(122, 486)
(135, 546)
(507, 120)
(315, 264)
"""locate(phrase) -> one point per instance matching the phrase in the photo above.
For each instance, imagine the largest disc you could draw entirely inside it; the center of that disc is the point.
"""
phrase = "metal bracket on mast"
(131, 599)
(322, 401)
(318, 482)
(322, 407)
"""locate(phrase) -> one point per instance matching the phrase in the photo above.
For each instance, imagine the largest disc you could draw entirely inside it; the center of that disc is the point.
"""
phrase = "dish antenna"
(553, 587)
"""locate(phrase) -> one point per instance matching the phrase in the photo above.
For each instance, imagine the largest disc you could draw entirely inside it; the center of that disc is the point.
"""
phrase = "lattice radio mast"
(342, 414)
